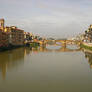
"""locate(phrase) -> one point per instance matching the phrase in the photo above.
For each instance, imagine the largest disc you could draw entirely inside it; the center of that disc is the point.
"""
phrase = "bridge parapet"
(67, 41)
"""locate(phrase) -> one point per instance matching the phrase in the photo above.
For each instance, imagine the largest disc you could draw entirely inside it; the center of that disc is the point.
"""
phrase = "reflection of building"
(89, 57)
(26, 51)
(9, 60)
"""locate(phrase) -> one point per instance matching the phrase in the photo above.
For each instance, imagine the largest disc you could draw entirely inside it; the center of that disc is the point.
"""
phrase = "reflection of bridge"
(62, 49)
(65, 49)
(62, 43)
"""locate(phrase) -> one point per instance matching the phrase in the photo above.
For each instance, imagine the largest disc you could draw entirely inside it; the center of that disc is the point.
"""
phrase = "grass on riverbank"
(86, 47)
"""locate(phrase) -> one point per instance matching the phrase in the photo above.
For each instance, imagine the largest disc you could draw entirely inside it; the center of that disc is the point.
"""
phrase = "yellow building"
(4, 41)
(91, 26)
(0, 37)
(2, 24)
(10, 35)
(28, 37)
(16, 36)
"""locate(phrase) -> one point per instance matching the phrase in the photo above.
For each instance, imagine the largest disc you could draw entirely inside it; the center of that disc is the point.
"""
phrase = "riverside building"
(88, 35)
(10, 35)
(4, 41)
(16, 36)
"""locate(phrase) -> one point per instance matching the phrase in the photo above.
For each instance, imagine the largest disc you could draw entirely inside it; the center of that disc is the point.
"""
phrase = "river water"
(51, 69)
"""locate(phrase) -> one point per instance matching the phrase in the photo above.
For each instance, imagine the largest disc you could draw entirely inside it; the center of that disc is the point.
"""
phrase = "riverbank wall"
(10, 47)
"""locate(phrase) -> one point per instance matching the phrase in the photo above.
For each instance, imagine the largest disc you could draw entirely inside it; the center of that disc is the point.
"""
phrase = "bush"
(86, 47)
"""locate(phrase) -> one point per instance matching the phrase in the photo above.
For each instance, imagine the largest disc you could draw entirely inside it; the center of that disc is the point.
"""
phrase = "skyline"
(50, 18)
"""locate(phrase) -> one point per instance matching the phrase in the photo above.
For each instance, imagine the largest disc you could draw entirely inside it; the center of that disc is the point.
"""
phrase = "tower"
(2, 24)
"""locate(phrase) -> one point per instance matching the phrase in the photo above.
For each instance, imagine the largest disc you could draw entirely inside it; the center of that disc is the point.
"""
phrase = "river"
(51, 69)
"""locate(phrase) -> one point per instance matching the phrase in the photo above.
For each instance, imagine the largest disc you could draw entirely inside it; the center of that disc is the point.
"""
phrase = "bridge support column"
(64, 44)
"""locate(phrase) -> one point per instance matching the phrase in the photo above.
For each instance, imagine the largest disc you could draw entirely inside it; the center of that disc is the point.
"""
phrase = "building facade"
(10, 35)
(16, 36)
(88, 35)
(2, 24)
(0, 38)
(28, 37)
(4, 41)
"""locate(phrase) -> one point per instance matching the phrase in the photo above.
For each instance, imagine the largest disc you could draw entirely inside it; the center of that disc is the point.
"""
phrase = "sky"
(48, 18)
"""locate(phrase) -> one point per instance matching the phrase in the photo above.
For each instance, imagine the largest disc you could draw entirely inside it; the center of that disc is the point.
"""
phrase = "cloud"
(48, 16)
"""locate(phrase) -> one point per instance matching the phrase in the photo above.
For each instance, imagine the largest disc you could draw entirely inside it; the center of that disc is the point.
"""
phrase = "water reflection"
(14, 58)
(55, 48)
(11, 59)
(88, 56)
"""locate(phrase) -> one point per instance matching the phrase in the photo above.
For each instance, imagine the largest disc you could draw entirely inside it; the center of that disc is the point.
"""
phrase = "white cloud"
(45, 17)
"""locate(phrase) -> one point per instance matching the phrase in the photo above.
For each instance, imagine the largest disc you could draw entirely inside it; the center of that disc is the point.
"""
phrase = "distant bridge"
(68, 41)
(59, 42)
(62, 43)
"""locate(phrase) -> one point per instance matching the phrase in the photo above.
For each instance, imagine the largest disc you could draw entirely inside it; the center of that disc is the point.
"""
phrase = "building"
(88, 35)
(4, 41)
(16, 36)
(10, 35)
(28, 37)
(2, 24)
(0, 38)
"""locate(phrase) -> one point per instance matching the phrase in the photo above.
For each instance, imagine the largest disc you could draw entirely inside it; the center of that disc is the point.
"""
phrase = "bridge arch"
(63, 44)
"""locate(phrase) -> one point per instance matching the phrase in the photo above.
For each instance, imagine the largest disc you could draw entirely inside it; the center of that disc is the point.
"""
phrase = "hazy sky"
(53, 18)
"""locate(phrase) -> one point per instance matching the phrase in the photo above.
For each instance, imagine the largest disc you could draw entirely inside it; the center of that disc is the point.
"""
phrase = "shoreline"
(86, 46)
(11, 47)
(83, 45)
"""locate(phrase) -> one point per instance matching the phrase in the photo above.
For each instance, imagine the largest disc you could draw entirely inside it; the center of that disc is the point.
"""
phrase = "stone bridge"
(62, 43)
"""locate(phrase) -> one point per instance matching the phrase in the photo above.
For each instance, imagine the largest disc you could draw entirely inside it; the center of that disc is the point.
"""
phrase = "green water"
(45, 70)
